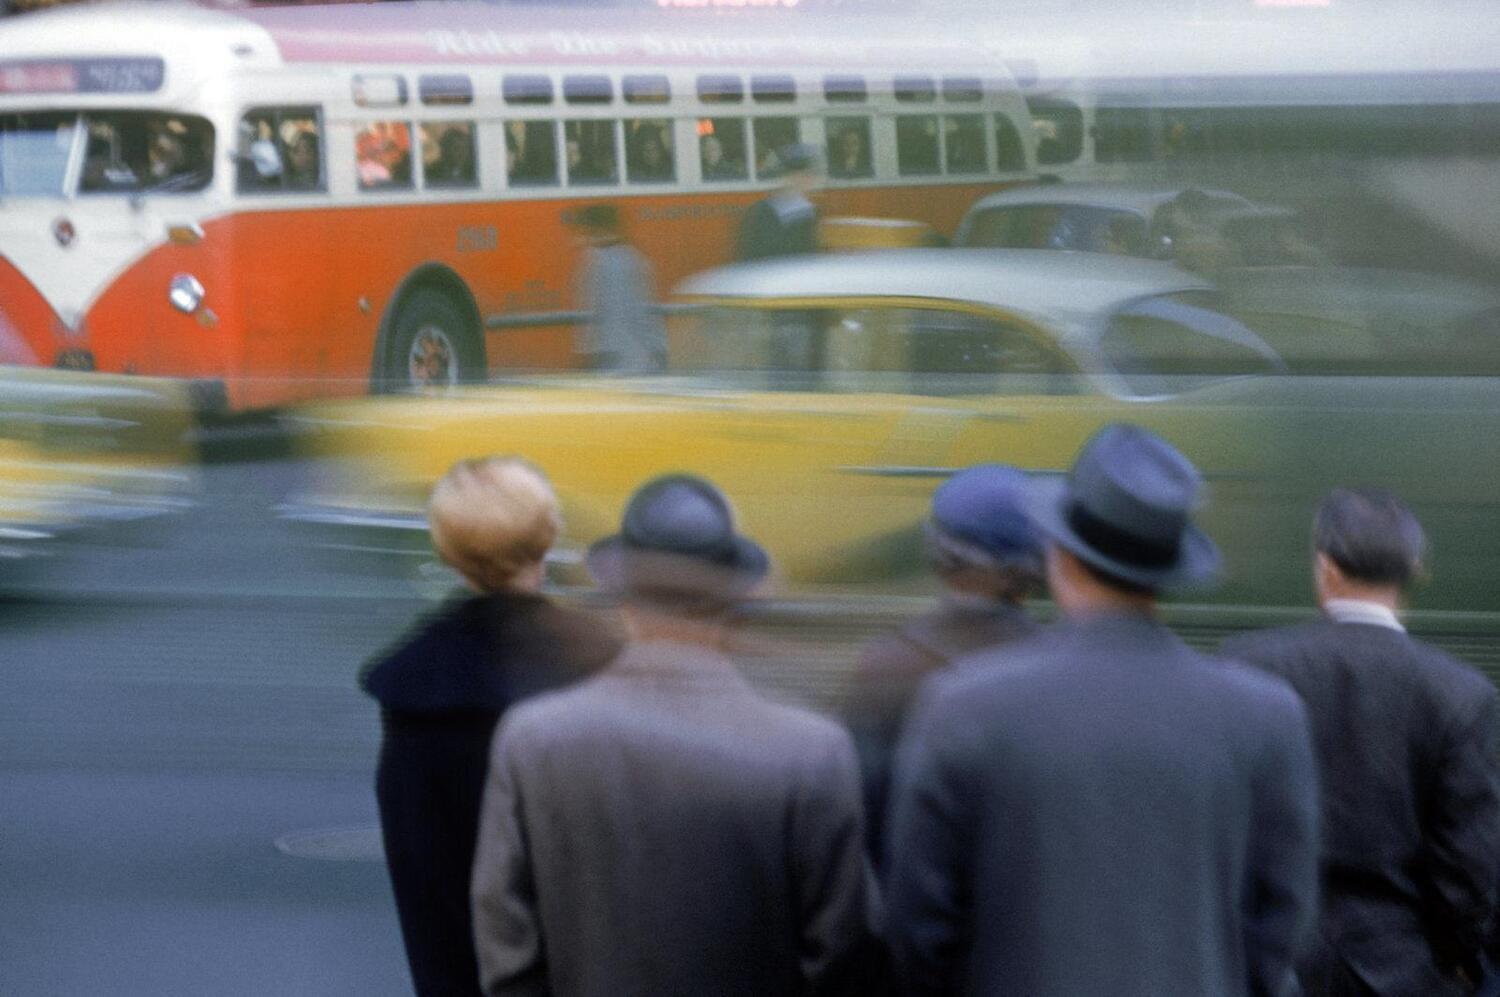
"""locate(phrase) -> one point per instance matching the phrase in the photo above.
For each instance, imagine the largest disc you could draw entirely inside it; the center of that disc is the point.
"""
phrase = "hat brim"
(1197, 562)
(621, 568)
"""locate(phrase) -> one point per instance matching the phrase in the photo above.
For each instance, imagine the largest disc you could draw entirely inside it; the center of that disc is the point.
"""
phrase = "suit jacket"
(1102, 810)
(1411, 816)
(662, 830)
(767, 232)
(890, 670)
(625, 332)
(441, 690)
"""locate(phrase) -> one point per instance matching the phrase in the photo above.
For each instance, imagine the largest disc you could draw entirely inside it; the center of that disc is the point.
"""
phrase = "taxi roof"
(1063, 290)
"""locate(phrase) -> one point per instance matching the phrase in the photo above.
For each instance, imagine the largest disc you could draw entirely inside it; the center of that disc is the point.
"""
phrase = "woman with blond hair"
(443, 688)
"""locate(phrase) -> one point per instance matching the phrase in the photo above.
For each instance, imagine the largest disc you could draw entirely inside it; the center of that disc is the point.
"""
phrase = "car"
(87, 457)
(830, 395)
(1319, 316)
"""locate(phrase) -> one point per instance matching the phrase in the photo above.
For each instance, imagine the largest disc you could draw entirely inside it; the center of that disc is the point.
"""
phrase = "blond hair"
(493, 517)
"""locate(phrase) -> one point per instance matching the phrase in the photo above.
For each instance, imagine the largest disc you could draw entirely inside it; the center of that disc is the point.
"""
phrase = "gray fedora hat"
(677, 540)
(1125, 509)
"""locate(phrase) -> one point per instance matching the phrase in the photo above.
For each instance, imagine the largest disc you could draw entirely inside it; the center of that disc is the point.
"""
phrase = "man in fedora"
(784, 223)
(661, 828)
(1405, 736)
(1101, 810)
(987, 556)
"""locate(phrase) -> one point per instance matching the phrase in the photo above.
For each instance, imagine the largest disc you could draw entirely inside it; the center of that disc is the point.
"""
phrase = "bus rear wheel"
(433, 345)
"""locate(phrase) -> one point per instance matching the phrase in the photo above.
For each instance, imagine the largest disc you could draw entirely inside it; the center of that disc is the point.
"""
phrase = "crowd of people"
(1088, 807)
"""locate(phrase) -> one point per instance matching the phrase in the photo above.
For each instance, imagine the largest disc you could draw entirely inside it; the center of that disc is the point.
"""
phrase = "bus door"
(141, 183)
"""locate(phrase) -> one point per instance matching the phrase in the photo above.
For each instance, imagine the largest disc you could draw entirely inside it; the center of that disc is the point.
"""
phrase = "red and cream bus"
(288, 202)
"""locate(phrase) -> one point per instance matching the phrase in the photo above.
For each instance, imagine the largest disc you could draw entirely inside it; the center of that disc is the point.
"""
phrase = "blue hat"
(1125, 508)
(678, 539)
(985, 505)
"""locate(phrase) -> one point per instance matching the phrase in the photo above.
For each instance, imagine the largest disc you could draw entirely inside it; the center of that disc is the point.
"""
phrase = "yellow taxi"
(81, 450)
(829, 396)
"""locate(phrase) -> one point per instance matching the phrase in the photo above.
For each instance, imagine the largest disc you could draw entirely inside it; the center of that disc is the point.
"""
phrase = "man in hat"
(661, 828)
(987, 556)
(785, 223)
(1101, 810)
(1404, 735)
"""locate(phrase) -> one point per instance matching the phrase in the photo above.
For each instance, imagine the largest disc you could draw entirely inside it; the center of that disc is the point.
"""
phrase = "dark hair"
(1371, 535)
(602, 219)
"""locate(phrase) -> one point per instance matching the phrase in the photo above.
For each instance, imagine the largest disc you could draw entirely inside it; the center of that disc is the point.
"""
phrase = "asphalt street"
(186, 764)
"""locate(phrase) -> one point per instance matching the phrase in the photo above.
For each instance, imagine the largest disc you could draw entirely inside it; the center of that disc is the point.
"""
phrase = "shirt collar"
(675, 660)
(1359, 611)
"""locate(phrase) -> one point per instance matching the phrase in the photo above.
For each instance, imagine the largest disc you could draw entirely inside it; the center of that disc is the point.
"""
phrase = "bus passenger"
(786, 222)
(716, 165)
(649, 161)
(303, 161)
(454, 165)
(661, 828)
(851, 158)
(987, 555)
(444, 686)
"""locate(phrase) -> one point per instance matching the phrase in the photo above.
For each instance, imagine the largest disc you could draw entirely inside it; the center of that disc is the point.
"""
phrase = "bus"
(1384, 132)
(281, 203)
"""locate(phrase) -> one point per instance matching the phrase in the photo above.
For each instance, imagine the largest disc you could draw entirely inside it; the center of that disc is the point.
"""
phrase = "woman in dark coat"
(443, 688)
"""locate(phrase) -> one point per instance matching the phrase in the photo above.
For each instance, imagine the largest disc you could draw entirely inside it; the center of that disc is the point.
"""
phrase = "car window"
(1083, 228)
(1024, 227)
(898, 350)
(1169, 344)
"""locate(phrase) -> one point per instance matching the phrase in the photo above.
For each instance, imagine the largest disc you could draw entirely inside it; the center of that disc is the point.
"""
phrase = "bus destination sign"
(139, 75)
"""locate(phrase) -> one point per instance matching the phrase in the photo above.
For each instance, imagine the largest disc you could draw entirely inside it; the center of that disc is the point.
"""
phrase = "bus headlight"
(186, 293)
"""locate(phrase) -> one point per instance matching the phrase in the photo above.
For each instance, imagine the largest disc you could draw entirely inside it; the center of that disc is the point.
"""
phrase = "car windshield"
(34, 151)
(1170, 344)
(124, 152)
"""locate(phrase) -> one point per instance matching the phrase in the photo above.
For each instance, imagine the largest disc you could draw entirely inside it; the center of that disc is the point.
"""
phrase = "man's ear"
(1327, 577)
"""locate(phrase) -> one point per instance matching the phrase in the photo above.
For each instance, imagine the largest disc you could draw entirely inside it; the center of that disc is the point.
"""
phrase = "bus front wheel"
(433, 345)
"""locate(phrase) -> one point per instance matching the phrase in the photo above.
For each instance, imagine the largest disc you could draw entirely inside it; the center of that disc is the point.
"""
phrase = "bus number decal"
(477, 238)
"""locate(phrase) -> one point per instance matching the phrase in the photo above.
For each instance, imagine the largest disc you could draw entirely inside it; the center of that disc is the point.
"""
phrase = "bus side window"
(849, 148)
(649, 156)
(721, 149)
(591, 152)
(382, 153)
(1122, 135)
(1010, 154)
(771, 136)
(281, 148)
(448, 154)
(1059, 129)
(531, 153)
(963, 143)
(917, 144)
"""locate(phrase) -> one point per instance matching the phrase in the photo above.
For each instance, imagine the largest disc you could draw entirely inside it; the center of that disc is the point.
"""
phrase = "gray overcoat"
(1102, 810)
(662, 830)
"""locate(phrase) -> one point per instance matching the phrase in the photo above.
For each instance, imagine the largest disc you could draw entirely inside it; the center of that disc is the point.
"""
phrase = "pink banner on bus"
(460, 33)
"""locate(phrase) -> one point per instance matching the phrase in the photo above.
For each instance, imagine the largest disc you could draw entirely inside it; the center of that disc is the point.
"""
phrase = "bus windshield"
(124, 152)
(34, 151)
